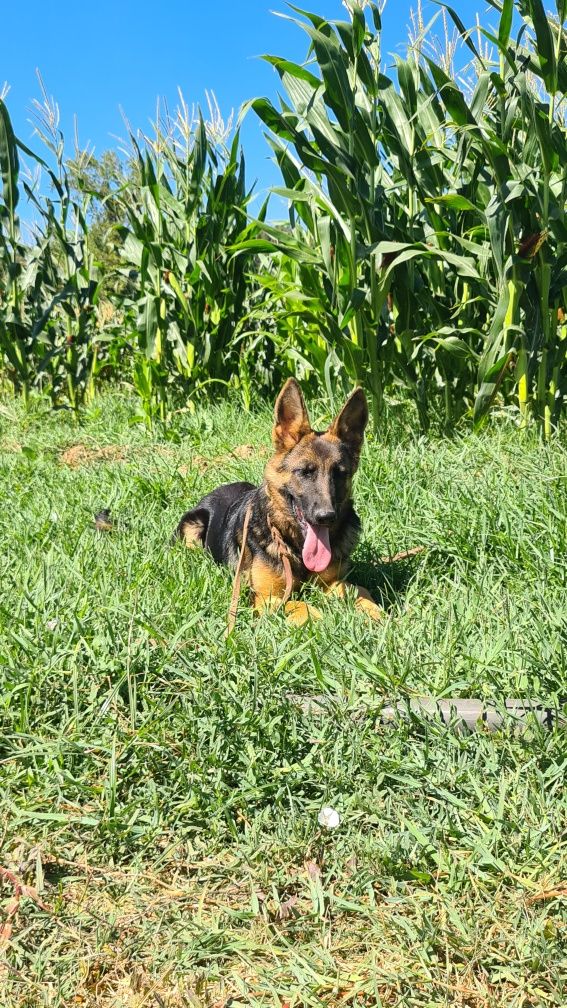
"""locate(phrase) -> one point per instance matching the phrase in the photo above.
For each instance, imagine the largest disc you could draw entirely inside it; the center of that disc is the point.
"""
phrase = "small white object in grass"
(329, 817)
(54, 517)
(52, 624)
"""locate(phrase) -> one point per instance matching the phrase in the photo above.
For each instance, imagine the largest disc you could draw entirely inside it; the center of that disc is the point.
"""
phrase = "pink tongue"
(316, 548)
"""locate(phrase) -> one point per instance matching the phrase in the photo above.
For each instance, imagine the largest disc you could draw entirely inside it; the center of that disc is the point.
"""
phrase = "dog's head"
(311, 472)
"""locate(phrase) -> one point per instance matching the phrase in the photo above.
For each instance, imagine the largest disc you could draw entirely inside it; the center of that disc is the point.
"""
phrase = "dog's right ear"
(291, 420)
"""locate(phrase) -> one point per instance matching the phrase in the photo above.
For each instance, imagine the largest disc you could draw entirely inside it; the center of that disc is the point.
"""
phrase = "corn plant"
(11, 311)
(416, 212)
(50, 287)
(359, 158)
(181, 219)
(520, 135)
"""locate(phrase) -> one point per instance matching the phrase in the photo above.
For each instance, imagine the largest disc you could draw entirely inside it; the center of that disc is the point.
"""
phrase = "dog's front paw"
(369, 607)
(299, 613)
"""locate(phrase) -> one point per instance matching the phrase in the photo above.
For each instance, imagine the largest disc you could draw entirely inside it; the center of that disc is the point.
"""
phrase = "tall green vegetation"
(181, 220)
(428, 225)
(130, 273)
(425, 253)
(48, 288)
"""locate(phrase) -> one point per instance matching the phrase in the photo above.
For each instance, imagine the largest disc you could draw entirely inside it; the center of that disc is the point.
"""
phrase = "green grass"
(160, 790)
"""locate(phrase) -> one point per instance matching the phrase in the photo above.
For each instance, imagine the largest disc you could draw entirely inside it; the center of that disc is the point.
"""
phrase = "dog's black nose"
(324, 517)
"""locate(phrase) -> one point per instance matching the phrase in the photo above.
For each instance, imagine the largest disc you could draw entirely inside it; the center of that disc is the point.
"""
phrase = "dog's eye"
(306, 471)
(341, 471)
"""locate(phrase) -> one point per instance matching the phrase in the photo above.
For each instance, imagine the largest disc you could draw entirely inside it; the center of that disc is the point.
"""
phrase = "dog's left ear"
(351, 422)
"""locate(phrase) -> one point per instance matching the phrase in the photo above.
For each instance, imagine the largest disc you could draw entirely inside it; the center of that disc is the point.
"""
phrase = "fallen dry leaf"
(286, 908)
(13, 904)
(312, 869)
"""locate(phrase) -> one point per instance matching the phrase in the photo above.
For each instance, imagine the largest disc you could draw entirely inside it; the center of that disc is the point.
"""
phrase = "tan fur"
(291, 420)
(333, 584)
(266, 584)
(192, 533)
(268, 588)
(300, 613)
(363, 599)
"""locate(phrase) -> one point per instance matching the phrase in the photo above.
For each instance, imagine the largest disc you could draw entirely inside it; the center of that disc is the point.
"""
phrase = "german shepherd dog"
(302, 510)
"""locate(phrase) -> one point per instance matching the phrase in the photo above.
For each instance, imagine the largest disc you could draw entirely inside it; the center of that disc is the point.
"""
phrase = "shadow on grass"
(387, 582)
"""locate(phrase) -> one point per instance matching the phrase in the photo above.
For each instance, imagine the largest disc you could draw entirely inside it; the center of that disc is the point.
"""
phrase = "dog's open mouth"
(316, 552)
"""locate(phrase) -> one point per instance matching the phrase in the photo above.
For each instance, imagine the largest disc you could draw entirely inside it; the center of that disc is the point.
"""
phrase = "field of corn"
(425, 255)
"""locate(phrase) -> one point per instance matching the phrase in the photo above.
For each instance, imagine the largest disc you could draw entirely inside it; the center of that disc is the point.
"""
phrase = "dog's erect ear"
(350, 424)
(291, 420)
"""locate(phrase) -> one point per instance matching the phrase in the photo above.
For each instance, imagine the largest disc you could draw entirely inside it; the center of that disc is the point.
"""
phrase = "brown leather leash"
(233, 608)
(283, 555)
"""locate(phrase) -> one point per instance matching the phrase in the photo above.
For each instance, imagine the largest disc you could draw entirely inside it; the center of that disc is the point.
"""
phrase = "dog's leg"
(299, 613)
(363, 599)
(268, 590)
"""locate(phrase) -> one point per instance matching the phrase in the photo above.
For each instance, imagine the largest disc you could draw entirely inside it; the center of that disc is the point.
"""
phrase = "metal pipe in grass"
(459, 714)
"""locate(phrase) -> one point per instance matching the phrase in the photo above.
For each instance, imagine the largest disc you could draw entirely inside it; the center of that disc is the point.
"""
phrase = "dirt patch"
(166, 450)
(246, 451)
(80, 455)
(12, 447)
(241, 452)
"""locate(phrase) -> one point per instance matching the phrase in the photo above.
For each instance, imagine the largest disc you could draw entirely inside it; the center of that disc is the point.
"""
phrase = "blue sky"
(95, 58)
